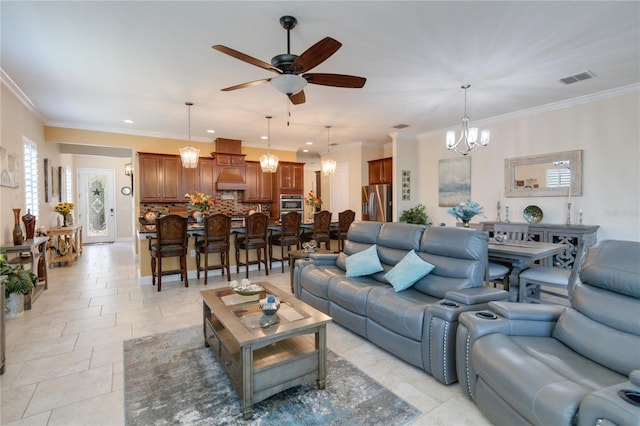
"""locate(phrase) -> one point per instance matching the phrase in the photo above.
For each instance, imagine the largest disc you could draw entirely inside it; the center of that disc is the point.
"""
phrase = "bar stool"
(171, 241)
(321, 231)
(255, 238)
(288, 236)
(345, 218)
(217, 229)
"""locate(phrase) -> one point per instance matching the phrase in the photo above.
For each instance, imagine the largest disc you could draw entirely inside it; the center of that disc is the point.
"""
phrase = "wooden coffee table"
(264, 361)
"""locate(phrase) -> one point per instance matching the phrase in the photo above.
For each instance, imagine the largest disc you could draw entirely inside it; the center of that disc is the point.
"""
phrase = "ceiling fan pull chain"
(288, 112)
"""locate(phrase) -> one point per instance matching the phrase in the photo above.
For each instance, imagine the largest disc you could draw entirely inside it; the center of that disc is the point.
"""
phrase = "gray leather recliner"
(553, 365)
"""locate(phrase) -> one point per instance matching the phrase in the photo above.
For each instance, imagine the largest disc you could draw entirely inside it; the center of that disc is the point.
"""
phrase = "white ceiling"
(91, 65)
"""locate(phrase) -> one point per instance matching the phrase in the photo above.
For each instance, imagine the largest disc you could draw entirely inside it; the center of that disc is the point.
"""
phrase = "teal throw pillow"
(409, 270)
(365, 262)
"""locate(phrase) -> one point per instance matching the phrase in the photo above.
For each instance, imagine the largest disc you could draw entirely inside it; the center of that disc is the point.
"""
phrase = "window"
(31, 200)
(68, 178)
(558, 178)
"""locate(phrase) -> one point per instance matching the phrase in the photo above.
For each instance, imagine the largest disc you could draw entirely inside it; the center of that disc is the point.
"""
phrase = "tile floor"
(64, 356)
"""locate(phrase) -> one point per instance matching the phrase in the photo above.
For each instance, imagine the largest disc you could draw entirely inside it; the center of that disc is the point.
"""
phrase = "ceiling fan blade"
(298, 98)
(336, 80)
(315, 55)
(248, 84)
(245, 58)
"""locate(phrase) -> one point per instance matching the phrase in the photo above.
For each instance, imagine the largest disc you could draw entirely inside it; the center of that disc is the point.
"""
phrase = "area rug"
(173, 379)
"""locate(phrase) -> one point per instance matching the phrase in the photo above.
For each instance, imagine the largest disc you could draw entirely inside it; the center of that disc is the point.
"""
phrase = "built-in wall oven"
(291, 203)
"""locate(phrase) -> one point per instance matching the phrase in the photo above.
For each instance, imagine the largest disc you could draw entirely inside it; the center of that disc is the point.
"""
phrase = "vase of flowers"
(465, 211)
(202, 203)
(312, 200)
(64, 210)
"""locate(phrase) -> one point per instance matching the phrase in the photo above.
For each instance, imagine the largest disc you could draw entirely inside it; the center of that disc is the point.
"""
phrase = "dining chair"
(321, 231)
(288, 236)
(345, 218)
(254, 238)
(553, 280)
(217, 229)
(171, 241)
(498, 272)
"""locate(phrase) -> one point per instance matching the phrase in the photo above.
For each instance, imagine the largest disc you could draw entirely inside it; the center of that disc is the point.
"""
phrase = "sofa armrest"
(527, 311)
(441, 323)
(616, 405)
(313, 259)
(476, 295)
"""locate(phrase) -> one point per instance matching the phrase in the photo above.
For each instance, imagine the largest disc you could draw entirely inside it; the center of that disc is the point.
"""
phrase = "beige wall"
(608, 130)
(17, 121)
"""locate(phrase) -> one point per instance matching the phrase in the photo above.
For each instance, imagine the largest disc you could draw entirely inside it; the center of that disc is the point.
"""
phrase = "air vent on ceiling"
(400, 126)
(578, 77)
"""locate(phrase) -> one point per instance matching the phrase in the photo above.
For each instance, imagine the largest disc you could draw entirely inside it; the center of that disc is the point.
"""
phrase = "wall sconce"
(128, 170)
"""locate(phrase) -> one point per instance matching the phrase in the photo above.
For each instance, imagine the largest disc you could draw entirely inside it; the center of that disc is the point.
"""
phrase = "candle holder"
(580, 217)
(506, 215)
(568, 213)
(498, 208)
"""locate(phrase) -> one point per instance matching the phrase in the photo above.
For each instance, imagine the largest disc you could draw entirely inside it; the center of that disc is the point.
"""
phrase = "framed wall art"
(454, 181)
(9, 168)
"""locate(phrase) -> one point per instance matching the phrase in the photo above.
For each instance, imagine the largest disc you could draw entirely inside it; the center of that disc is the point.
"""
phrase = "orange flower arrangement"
(201, 201)
(312, 200)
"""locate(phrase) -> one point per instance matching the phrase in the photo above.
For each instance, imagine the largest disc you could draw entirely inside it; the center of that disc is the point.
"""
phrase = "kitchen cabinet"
(160, 178)
(259, 184)
(199, 179)
(381, 171)
(290, 178)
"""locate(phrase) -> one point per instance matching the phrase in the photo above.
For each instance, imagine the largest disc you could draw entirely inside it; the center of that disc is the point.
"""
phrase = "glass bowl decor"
(245, 287)
(310, 247)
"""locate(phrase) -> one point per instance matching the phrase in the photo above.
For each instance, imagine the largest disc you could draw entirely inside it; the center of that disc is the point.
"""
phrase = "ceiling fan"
(290, 67)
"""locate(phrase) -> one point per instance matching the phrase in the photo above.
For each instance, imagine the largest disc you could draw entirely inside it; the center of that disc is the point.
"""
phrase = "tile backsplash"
(227, 202)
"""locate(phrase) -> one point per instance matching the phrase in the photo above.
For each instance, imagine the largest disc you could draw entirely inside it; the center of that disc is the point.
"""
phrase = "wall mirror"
(548, 175)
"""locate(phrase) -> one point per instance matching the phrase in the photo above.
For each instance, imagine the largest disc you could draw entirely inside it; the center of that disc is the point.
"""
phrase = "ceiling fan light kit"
(468, 141)
(189, 155)
(288, 84)
(290, 68)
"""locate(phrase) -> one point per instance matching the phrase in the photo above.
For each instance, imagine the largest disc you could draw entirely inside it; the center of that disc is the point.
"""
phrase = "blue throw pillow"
(365, 262)
(409, 270)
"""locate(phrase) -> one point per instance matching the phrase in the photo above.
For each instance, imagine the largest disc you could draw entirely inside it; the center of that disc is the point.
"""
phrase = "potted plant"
(18, 283)
(417, 215)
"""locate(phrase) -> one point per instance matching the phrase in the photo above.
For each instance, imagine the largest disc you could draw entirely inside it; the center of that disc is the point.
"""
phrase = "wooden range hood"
(230, 165)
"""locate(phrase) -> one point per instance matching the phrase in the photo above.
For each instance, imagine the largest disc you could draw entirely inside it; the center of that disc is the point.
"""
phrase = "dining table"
(521, 255)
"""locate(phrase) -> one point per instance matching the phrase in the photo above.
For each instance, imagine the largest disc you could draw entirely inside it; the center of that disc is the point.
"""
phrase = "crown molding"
(20, 95)
(568, 103)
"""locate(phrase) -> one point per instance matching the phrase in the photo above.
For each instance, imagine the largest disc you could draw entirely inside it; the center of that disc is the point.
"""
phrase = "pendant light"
(188, 154)
(269, 162)
(468, 141)
(328, 165)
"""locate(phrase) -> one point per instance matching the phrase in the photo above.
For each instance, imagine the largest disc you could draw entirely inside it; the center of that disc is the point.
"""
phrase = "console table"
(65, 244)
(34, 253)
(570, 235)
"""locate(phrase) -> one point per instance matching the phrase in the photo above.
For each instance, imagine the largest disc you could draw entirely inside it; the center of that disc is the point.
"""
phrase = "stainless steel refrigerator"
(377, 203)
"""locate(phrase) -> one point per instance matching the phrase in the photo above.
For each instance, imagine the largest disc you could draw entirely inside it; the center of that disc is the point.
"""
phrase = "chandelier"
(188, 154)
(328, 165)
(269, 162)
(468, 141)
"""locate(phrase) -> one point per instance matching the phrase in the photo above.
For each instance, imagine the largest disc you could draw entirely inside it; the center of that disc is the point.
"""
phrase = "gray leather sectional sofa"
(417, 324)
(553, 365)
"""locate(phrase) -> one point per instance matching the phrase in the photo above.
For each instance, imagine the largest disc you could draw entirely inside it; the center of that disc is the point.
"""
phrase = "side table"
(302, 254)
(36, 248)
(65, 244)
